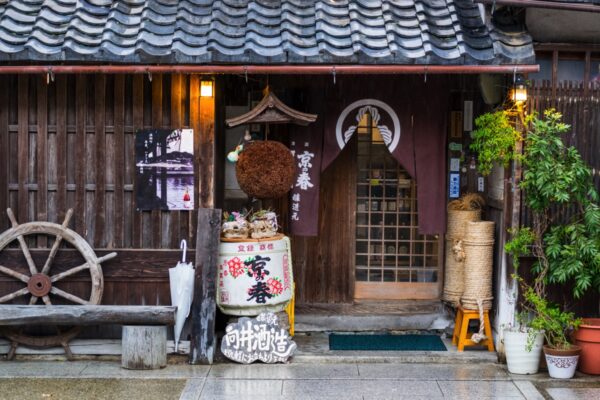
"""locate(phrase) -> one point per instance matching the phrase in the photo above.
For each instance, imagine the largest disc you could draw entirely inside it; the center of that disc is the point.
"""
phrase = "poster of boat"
(164, 161)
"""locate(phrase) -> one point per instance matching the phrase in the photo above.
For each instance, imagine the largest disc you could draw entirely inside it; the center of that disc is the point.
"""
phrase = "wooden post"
(204, 304)
(144, 347)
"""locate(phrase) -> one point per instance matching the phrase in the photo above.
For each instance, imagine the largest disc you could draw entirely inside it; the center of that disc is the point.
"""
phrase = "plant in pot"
(495, 141)
(564, 236)
(557, 326)
(523, 342)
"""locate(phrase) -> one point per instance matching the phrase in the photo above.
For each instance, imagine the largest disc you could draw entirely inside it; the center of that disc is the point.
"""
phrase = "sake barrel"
(255, 275)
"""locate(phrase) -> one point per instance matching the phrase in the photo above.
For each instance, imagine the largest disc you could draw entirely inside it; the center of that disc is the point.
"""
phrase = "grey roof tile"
(256, 32)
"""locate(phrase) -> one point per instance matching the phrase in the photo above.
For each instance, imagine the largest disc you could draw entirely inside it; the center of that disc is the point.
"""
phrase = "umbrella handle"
(183, 246)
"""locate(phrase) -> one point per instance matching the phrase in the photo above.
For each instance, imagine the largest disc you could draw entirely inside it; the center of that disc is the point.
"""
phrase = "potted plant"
(522, 347)
(522, 343)
(565, 243)
(557, 326)
(495, 141)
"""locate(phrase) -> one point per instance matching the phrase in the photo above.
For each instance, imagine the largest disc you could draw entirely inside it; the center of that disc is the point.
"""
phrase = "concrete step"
(372, 316)
(314, 348)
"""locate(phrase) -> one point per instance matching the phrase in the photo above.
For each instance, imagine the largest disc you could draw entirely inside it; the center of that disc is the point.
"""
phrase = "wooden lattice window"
(389, 249)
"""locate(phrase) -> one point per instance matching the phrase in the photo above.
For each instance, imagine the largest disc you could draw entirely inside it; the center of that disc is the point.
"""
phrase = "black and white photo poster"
(164, 161)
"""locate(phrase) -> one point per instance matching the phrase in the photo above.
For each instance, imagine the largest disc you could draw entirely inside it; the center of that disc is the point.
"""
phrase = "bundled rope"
(460, 213)
(478, 249)
(479, 336)
(458, 251)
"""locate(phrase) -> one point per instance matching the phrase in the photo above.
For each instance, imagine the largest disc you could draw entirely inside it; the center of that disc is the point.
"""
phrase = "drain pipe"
(270, 69)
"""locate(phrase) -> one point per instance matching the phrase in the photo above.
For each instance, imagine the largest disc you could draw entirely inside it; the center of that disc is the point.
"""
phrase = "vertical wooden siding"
(324, 265)
(92, 133)
(580, 107)
(70, 144)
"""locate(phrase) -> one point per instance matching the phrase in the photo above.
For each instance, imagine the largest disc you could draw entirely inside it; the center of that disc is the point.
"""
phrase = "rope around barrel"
(454, 266)
(478, 248)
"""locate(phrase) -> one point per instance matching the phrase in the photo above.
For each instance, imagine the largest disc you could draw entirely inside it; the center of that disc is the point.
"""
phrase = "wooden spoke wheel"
(40, 283)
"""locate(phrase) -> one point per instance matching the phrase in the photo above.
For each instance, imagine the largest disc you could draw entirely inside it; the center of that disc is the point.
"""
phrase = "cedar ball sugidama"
(265, 169)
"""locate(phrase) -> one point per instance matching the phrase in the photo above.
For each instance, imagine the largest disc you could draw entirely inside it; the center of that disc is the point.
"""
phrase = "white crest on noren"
(391, 138)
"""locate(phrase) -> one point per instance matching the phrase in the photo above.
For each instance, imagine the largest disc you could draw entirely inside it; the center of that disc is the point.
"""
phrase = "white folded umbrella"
(181, 279)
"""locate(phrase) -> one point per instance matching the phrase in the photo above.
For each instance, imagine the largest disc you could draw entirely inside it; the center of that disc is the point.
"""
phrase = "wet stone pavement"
(107, 380)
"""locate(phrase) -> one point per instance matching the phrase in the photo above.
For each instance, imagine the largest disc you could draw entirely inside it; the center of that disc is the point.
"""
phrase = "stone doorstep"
(372, 316)
(362, 323)
(314, 348)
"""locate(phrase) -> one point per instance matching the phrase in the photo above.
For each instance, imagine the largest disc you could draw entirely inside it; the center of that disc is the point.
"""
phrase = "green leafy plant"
(555, 176)
(520, 244)
(548, 318)
(494, 140)
(559, 190)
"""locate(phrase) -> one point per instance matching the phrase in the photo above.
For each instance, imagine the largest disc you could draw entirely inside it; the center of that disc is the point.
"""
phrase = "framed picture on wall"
(164, 161)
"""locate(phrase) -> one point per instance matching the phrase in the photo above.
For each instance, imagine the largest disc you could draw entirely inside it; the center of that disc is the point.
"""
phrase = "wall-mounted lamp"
(206, 88)
(519, 90)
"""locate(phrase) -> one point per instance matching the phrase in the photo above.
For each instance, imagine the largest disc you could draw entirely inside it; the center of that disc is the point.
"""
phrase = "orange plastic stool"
(461, 337)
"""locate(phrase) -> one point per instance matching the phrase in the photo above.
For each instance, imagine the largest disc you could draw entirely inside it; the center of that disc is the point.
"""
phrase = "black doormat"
(386, 342)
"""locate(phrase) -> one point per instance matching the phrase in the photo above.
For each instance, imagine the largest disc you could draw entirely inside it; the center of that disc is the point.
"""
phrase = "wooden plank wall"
(324, 265)
(580, 107)
(70, 144)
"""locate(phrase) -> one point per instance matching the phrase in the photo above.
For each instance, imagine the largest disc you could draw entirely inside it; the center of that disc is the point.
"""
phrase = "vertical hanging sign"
(306, 147)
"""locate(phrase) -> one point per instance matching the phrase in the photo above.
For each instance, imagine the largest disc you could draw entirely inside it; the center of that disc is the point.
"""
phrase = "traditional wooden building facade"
(80, 78)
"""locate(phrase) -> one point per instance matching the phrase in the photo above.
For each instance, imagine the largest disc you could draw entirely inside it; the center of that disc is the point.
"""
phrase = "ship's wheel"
(40, 285)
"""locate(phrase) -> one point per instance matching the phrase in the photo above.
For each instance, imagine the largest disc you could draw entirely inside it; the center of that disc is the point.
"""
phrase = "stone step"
(313, 348)
(372, 316)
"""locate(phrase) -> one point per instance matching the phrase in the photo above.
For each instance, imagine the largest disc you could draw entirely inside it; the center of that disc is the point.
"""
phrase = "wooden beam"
(4, 151)
(23, 148)
(80, 167)
(194, 95)
(206, 126)
(586, 73)
(61, 146)
(157, 122)
(11, 315)
(42, 154)
(138, 123)
(554, 76)
(129, 265)
(204, 305)
(119, 149)
(175, 217)
(100, 136)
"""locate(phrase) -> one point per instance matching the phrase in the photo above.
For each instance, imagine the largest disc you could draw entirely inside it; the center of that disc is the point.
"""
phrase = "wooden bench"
(144, 338)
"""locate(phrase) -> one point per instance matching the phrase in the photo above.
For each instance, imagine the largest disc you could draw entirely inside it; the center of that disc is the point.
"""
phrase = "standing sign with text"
(259, 338)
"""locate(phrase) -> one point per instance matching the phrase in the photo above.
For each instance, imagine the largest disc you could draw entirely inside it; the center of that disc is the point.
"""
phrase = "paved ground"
(106, 380)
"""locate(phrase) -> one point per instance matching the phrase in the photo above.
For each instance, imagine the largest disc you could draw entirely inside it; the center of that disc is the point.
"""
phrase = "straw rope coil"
(454, 260)
(479, 247)
(457, 222)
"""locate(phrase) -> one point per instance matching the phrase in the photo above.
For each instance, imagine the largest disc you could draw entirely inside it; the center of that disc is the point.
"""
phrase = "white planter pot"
(562, 366)
(518, 359)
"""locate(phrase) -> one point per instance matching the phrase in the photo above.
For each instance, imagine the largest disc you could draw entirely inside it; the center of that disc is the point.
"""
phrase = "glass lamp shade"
(206, 89)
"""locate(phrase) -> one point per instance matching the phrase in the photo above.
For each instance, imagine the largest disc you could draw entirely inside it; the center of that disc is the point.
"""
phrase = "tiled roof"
(255, 32)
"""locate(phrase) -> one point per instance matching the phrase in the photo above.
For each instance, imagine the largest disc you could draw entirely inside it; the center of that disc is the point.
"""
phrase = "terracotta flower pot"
(588, 337)
(562, 363)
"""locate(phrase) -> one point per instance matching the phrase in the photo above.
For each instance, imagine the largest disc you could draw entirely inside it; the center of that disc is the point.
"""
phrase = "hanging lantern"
(519, 90)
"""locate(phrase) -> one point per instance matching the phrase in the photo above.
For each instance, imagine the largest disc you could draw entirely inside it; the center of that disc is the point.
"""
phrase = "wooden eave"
(273, 111)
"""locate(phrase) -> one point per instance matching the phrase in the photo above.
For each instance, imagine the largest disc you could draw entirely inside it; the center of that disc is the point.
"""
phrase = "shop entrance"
(392, 260)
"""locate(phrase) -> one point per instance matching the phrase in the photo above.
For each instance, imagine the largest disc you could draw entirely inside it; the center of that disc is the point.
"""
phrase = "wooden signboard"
(259, 338)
